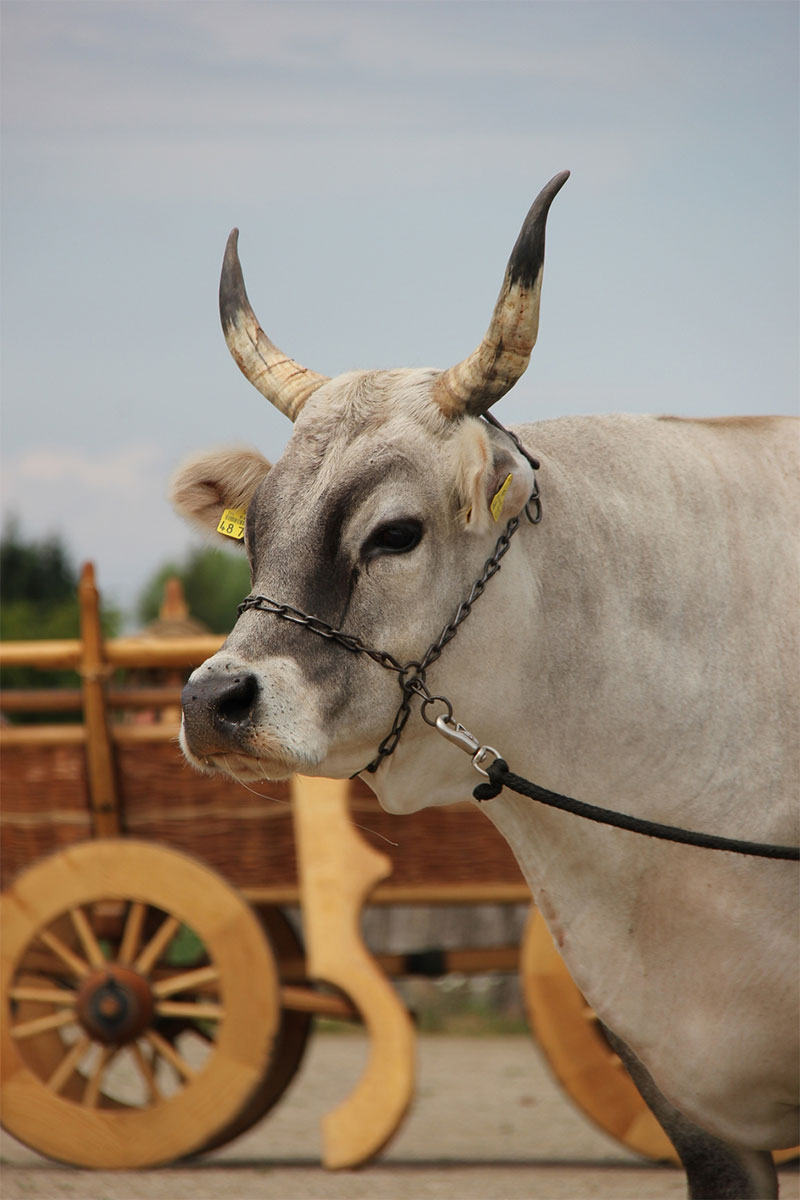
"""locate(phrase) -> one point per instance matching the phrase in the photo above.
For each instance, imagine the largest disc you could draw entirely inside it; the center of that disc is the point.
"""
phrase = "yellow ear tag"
(232, 523)
(498, 500)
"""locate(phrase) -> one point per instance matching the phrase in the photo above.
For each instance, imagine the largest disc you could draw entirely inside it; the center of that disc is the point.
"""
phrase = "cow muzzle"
(251, 721)
(218, 711)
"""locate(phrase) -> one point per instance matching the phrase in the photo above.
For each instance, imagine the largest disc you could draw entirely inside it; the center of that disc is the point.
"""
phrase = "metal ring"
(537, 510)
(479, 757)
(408, 672)
(428, 701)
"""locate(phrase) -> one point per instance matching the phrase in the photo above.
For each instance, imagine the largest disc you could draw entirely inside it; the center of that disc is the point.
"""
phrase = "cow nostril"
(235, 703)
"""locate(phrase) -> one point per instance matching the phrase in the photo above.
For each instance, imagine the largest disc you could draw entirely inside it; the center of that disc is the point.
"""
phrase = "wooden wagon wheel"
(139, 1005)
(579, 1055)
(291, 1040)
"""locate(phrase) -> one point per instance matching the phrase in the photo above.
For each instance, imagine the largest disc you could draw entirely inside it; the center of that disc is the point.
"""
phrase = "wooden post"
(173, 608)
(337, 872)
(94, 671)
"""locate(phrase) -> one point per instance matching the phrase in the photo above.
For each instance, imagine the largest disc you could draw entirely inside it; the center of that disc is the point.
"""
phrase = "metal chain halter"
(411, 675)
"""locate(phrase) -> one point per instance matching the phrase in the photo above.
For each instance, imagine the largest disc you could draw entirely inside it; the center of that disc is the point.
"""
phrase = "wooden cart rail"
(70, 654)
(32, 700)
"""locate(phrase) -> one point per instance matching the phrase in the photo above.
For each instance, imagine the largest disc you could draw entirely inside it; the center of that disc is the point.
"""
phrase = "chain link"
(323, 629)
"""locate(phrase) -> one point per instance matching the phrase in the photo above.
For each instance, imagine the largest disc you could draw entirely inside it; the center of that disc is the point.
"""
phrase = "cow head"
(377, 519)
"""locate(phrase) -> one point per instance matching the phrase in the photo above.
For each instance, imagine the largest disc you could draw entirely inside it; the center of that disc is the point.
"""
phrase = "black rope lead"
(500, 777)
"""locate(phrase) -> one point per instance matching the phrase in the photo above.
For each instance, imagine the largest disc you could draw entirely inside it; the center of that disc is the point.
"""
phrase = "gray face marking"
(325, 588)
(309, 556)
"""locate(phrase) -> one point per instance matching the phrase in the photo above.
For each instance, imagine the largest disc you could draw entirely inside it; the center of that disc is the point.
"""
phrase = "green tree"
(214, 584)
(38, 599)
(37, 573)
(38, 587)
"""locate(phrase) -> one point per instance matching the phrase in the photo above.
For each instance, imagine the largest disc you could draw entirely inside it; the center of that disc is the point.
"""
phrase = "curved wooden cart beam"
(337, 872)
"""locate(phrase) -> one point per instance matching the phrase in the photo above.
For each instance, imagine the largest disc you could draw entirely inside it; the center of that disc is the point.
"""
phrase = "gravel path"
(488, 1123)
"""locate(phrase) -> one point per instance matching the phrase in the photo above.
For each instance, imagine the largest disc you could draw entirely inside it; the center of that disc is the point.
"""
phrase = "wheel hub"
(115, 1004)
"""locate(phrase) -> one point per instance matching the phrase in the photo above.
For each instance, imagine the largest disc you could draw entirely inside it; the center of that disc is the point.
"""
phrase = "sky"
(379, 159)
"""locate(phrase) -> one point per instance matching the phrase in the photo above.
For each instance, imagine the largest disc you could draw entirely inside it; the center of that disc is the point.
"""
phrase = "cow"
(638, 643)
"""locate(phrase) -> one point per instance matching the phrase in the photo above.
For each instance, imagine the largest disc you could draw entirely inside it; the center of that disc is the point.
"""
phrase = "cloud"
(124, 473)
(307, 67)
(158, 102)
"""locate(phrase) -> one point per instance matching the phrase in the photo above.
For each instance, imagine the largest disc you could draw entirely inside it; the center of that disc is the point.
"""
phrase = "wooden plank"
(42, 735)
(162, 652)
(322, 1004)
(413, 893)
(145, 697)
(76, 735)
(278, 894)
(162, 731)
(30, 700)
(451, 893)
(103, 796)
(65, 654)
(338, 870)
(472, 961)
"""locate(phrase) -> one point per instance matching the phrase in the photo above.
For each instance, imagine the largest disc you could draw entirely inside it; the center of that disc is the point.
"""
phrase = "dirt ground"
(488, 1123)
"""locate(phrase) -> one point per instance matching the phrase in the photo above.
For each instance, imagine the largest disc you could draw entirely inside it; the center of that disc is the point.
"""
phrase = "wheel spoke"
(146, 1071)
(185, 980)
(195, 1012)
(170, 1054)
(91, 946)
(132, 935)
(77, 965)
(91, 1093)
(68, 1064)
(44, 995)
(56, 1020)
(157, 944)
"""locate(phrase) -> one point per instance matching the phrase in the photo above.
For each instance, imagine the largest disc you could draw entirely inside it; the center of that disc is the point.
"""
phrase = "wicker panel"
(247, 837)
(246, 833)
(44, 803)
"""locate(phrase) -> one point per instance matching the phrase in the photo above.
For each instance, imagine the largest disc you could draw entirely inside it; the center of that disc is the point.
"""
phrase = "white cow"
(637, 649)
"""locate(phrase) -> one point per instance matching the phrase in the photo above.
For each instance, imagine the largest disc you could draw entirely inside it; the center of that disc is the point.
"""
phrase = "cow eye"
(395, 537)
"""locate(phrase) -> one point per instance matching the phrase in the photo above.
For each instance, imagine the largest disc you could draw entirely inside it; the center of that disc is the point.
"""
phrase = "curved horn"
(473, 385)
(284, 382)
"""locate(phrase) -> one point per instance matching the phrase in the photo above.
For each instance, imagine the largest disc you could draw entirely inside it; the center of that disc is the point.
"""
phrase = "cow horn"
(473, 385)
(284, 382)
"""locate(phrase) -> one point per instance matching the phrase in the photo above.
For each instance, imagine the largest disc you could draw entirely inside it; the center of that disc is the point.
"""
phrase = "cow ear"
(495, 480)
(210, 485)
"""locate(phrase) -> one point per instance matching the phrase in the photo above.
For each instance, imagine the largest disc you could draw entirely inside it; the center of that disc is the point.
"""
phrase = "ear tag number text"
(232, 523)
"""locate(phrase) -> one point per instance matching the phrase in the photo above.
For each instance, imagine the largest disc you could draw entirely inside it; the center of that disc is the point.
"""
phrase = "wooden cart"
(156, 999)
